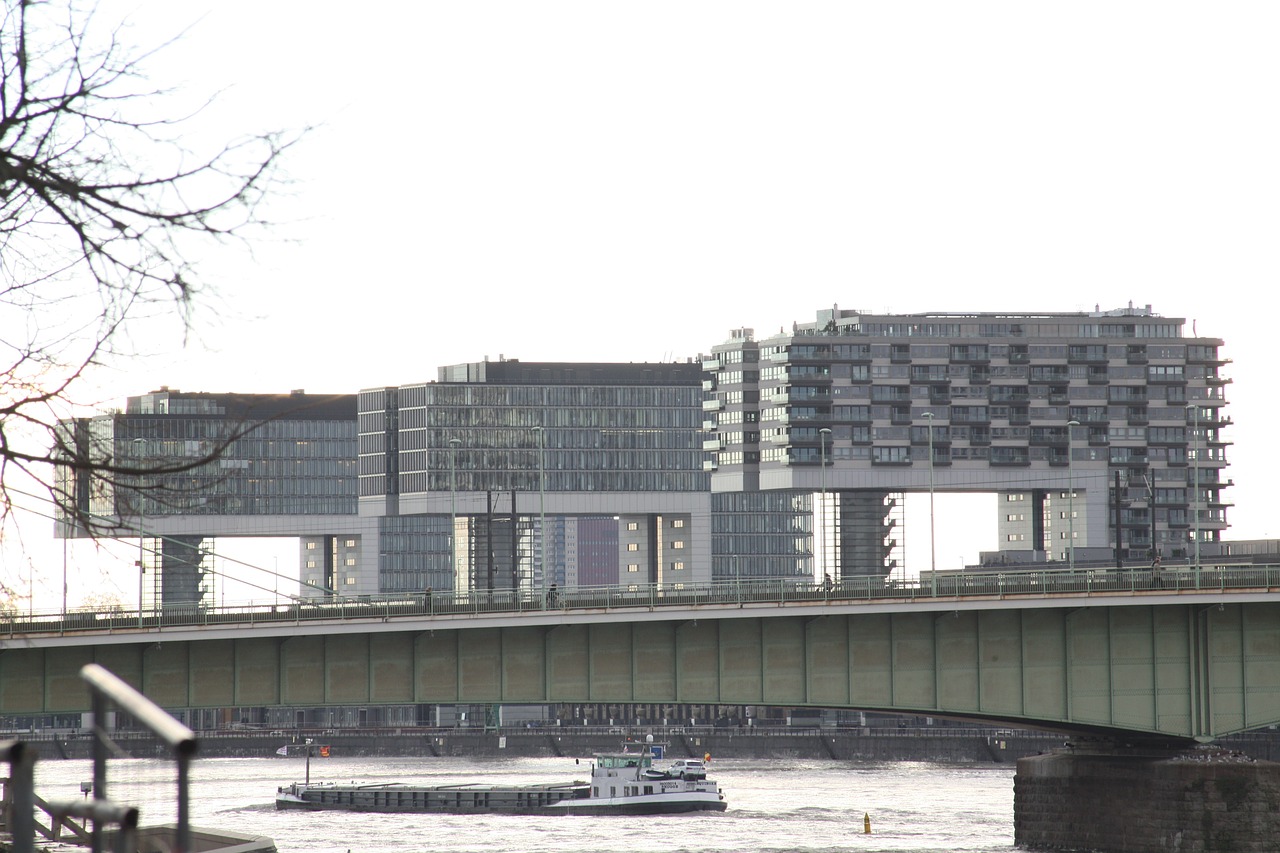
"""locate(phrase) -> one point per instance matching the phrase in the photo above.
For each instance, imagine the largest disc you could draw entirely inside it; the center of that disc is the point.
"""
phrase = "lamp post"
(933, 552)
(822, 504)
(453, 507)
(1195, 483)
(1071, 499)
(542, 505)
(139, 445)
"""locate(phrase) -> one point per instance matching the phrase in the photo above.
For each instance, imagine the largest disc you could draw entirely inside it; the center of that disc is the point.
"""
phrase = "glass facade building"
(542, 468)
(787, 456)
(288, 457)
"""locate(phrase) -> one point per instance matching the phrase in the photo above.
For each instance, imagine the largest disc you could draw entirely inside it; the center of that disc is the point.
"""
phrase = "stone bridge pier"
(1123, 799)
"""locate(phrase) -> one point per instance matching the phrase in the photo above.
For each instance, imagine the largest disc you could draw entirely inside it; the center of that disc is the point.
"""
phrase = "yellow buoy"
(866, 824)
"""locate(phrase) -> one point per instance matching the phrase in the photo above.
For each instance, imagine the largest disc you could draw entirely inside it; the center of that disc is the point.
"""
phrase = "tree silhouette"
(103, 207)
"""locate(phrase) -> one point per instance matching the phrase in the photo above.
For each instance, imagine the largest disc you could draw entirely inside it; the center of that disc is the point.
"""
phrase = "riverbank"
(941, 744)
(947, 745)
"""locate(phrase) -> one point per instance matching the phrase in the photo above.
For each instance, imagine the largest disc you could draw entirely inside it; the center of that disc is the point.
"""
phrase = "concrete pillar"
(1119, 800)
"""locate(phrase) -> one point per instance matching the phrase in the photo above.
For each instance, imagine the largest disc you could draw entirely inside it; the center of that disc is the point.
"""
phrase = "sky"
(621, 181)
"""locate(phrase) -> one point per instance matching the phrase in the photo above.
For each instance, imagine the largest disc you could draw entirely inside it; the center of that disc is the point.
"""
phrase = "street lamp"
(453, 508)
(822, 519)
(1071, 498)
(139, 445)
(542, 502)
(933, 553)
(1195, 483)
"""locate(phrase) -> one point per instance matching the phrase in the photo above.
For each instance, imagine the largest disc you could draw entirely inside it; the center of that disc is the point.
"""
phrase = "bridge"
(1194, 655)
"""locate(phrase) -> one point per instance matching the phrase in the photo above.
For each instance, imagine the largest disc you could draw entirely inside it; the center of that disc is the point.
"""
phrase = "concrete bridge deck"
(1195, 655)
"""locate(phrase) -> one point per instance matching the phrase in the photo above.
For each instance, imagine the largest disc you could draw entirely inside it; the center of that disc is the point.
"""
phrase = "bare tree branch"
(103, 209)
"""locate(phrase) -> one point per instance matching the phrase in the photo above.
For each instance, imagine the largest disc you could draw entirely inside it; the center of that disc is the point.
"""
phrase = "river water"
(774, 805)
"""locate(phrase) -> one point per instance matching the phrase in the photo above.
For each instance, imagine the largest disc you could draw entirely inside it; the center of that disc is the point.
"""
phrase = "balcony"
(712, 444)
(712, 405)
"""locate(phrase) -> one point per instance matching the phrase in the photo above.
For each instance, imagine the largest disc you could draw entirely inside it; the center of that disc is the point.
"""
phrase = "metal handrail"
(104, 687)
(1007, 582)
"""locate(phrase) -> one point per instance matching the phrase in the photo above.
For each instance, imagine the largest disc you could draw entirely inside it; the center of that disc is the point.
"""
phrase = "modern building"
(517, 475)
(1099, 430)
(288, 469)
(787, 456)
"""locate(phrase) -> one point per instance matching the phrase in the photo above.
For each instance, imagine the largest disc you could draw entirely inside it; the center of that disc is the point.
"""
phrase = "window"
(633, 546)
(351, 561)
(350, 581)
(633, 525)
(678, 544)
(311, 564)
(677, 566)
(677, 522)
(633, 567)
(311, 546)
(351, 543)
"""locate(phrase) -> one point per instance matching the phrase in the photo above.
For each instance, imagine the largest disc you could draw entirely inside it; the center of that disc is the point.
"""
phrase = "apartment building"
(1098, 430)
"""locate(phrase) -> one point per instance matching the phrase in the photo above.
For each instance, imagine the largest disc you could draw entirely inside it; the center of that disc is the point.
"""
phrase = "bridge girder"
(1178, 670)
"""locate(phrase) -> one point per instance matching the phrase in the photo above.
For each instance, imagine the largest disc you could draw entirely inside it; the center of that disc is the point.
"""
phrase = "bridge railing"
(1022, 582)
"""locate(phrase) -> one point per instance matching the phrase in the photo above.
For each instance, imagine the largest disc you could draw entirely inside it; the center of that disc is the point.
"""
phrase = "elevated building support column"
(1128, 801)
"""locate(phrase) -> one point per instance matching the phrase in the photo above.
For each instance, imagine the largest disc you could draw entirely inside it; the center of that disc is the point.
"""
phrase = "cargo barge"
(621, 783)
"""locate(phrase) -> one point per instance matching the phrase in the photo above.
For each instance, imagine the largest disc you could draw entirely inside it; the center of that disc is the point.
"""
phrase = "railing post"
(20, 794)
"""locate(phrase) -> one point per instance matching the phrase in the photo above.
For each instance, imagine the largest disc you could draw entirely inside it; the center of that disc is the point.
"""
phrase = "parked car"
(687, 768)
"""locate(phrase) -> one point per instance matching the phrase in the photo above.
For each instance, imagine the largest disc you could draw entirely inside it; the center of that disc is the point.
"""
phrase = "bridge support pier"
(1116, 799)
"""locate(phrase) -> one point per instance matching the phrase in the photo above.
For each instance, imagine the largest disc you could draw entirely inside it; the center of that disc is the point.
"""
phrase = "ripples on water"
(774, 806)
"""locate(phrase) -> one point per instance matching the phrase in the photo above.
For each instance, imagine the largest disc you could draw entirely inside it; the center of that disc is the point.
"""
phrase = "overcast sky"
(599, 181)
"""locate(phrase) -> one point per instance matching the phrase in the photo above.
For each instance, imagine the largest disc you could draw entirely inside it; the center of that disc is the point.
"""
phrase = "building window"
(311, 564)
(311, 546)
(633, 525)
(633, 546)
(351, 581)
(633, 567)
(677, 522)
(677, 566)
(351, 561)
(678, 544)
(351, 543)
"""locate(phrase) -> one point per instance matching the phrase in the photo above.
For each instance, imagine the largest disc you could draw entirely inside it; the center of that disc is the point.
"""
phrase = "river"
(774, 805)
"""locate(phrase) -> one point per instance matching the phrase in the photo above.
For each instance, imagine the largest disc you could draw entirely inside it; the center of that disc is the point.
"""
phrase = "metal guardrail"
(19, 796)
(104, 688)
(930, 586)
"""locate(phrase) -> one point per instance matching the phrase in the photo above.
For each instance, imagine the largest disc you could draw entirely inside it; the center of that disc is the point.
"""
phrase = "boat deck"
(450, 799)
